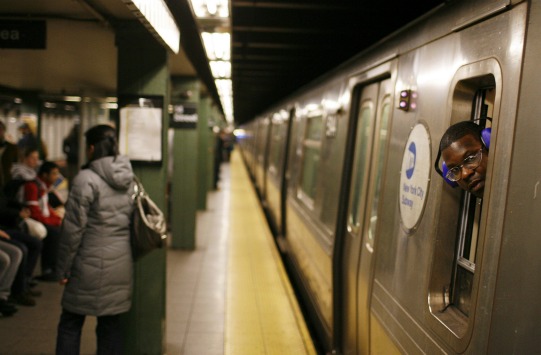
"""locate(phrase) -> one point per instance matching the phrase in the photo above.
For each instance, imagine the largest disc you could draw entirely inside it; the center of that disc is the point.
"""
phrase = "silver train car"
(387, 257)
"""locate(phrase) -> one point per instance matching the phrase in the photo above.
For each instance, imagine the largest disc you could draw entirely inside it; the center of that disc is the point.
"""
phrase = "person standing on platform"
(70, 146)
(94, 258)
(29, 140)
(218, 157)
(8, 156)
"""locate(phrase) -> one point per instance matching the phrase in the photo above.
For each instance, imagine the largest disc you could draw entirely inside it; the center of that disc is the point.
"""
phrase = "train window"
(457, 252)
(276, 146)
(311, 156)
(261, 140)
(360, 161)
(379, 146)
(468, 230)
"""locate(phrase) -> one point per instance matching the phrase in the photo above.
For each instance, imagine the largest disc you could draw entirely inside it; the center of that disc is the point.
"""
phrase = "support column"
(205, 150)
(143, 70)
(184, 179)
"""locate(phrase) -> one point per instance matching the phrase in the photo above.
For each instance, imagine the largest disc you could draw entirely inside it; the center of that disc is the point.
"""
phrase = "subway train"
(386, 256)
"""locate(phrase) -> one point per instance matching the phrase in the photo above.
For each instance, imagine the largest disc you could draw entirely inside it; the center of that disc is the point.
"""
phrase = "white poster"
(141, 133)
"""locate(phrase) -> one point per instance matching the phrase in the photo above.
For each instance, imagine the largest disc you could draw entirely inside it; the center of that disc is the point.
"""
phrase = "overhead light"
(220, 69)
(217, 45)
(48, 104)
(225, 87)
(225, 91)
(155, 15)
(227, 105)
(210, 8)
(72, 98)
(215, 14)
(109, 105)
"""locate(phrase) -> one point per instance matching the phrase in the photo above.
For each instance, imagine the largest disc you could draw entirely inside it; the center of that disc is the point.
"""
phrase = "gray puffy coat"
(94, 248)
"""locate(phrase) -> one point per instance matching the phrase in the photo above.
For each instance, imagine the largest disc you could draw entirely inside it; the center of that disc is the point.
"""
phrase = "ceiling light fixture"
(213, 16)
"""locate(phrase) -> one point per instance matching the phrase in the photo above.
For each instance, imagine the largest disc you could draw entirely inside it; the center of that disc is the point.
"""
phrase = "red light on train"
(406, 103)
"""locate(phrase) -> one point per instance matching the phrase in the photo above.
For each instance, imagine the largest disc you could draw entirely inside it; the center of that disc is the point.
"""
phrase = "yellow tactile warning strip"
(262, 313)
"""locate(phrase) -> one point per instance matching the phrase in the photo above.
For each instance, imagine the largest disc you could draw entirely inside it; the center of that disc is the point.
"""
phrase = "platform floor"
(229, 296)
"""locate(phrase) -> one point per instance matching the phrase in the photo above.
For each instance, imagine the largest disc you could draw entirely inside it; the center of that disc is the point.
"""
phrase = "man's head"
(49, 172)
(465, 156)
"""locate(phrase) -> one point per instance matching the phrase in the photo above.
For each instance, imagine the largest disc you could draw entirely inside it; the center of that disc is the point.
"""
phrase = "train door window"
(360, 163)
(261, 151)
(261, 139)
(468, 228)
(457, 252)
(379, 154)
(276, 146)
(311, 150)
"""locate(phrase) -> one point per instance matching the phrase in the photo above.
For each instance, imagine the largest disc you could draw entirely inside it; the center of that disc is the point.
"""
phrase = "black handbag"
(148, 226)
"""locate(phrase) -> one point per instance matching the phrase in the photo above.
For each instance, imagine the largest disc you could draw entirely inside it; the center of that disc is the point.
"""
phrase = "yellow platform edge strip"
(262, 312)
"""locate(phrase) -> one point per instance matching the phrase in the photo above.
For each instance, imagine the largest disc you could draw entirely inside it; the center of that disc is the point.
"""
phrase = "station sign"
(184, 115)
(23, 34)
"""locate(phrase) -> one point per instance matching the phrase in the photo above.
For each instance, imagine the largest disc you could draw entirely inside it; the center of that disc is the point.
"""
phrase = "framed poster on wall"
(140, 128)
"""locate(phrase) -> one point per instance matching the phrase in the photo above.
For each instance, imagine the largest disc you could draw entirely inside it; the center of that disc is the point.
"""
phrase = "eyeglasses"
(471, 162)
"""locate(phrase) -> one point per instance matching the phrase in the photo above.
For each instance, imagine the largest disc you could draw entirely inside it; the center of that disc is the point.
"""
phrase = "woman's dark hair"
(103, 138)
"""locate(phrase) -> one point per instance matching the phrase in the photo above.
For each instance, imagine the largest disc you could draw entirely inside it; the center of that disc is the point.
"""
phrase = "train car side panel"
(516, 325)
(407, 266)
(311, 208)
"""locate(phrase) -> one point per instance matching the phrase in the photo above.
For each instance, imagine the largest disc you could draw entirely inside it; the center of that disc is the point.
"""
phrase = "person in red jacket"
(33, 195)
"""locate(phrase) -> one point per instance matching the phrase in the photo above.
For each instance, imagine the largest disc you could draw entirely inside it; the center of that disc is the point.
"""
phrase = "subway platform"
(230, 295)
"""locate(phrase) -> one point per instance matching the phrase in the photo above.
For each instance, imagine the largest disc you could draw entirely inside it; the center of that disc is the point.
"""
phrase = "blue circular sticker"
(414, 176)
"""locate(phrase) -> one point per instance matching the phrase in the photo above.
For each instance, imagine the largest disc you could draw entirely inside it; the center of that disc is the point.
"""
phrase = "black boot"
(6, 308)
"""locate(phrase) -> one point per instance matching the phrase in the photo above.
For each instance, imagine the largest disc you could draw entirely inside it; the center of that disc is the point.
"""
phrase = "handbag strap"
(138, 189)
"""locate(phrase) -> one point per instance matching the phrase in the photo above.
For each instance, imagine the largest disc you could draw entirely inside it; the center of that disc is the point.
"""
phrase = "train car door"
(372, 117)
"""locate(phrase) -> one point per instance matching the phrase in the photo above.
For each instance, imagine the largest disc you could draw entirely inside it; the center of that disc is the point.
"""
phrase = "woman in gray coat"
(94, 257)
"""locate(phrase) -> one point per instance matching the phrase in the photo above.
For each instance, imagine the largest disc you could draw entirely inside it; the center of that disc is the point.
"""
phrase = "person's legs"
(109, 334)
(4, 263)
(15, 256)
(48, 253)
(34, 246)
(68, 339)
(10, 259)
(19, 290)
